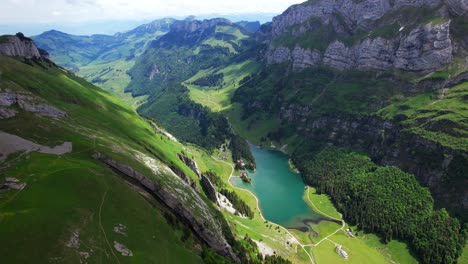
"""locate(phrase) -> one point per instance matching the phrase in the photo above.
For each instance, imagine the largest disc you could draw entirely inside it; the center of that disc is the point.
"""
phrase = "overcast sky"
(52, 11)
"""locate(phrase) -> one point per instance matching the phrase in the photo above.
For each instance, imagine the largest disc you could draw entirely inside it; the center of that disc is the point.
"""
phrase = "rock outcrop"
(352, 14)
(457, 7)
(190, 163)
(425, 48)
(19, 45)
(209, 188)
(418, 48)
(300, 57)
(10, 144)
(180, 198)
(27, 102)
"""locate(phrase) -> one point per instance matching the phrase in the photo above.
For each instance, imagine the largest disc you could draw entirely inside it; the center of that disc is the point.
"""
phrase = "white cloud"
(46, 11)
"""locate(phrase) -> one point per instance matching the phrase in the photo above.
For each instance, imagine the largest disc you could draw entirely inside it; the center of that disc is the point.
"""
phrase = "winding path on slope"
(261, 215)
(343, 224)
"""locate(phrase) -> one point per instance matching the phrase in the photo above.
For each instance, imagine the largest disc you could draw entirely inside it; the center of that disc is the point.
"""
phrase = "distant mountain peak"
(194, 25)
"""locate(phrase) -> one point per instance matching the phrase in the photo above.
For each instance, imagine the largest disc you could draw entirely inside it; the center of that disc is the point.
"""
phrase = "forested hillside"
(385, 200)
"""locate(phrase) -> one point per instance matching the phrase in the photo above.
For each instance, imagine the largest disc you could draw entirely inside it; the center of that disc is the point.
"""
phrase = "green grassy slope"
(440, 116)
(218, 97)
(75, 192)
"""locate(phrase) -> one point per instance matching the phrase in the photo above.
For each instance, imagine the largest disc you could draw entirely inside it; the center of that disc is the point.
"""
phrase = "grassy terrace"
(441, 116)
(228, 30)
(112, 76)
(218, 99)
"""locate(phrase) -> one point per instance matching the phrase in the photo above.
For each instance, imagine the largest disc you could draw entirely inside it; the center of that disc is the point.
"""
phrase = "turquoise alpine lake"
(279, 191)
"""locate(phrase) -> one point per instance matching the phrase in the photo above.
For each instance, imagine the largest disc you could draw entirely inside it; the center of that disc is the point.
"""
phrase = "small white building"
(349, 232)
(341, 252)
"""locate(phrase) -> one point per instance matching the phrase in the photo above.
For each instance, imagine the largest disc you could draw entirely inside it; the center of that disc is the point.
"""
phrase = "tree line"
(238, 203)
(386, 201)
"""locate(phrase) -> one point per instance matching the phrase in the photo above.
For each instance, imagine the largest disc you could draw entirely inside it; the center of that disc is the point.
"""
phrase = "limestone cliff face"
(353, 14)
(18, 45)
(209, 188)
(300, 57)
(190, 163)
(418, 48)
(12, 101)
(425, 48)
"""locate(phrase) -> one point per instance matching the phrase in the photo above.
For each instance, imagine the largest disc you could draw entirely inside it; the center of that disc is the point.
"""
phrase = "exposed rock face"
(300, 57)
(44, 54)
(457, 7)
(181, 199)
(354, 14)
(181, 174)
(303, 58)
(7, 112)
(209, 188)
(424, 48)
(278, 55)
(19, 46)
(190, 163)
(10, 144)
(339, 56)
(27, 102)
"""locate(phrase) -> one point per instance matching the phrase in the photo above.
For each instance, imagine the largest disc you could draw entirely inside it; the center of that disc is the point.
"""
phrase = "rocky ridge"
(177, 196)
(209, 188)
(10, 101)
(418, 48)
(190, 163)
(19, 45)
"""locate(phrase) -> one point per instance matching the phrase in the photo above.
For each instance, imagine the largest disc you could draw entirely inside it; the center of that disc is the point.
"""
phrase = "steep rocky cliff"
(370, 34)
(190, 163)
(21, 46)
(181, 199)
